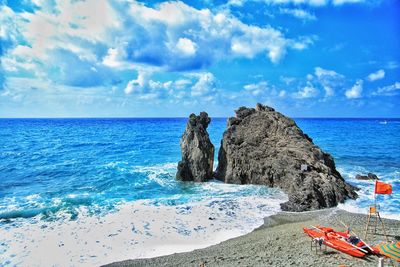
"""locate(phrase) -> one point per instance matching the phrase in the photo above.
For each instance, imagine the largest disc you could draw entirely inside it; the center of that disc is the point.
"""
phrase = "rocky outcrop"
(197, 150)
(370, 176)
(261, 146)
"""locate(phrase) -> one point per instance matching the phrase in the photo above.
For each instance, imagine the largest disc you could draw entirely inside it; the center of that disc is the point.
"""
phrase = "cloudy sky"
(127, 58)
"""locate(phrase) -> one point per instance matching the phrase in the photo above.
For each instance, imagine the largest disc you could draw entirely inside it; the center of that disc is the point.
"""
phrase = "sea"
(86, 192)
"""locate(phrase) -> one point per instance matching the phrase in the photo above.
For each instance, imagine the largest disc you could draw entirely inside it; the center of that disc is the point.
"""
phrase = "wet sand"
(280, 241)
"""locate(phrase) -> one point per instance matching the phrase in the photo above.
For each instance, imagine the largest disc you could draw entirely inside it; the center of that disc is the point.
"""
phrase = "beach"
(280, 241)
(73, 197)
(197, 133)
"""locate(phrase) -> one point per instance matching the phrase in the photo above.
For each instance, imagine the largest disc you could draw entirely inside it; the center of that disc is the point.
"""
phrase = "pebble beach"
(280, 241)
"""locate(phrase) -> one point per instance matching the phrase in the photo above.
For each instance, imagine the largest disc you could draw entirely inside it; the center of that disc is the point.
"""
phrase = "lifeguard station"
(373, 213)
(372, 222)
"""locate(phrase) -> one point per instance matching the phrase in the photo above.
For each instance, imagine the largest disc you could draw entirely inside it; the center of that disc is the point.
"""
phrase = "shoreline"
(279, 241)
(138, 229)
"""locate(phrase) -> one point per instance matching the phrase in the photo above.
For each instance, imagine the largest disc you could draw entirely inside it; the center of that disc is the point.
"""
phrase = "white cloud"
(114, 59)
(380, 74)
(182, 84)
(211, 35)
(87, 21)
(201, 86)
(287, 80)
(355, 91)
(56, 100)
(12, 65)
(329, 79)
(144, 88)
(389, 90)
(236, 2)
(205, 86)
(62, 43)
(263, 91)
(169, 13)
(298, 13)
(186, 46)
(9, 27)
(329, 91)
(320, 72)
(392, 65)
(257, 89)
(109, 36)
(255, 40)
(138, 84)
(342, 2)
(306, 92)
(314, 3)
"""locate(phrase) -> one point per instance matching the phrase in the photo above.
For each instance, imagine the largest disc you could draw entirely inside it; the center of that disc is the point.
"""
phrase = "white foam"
(351, 206)
(168, 167)
(387, 203)
(137, 230)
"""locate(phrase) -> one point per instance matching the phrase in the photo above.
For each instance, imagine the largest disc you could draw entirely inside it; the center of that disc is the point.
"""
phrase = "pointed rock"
(197, 150)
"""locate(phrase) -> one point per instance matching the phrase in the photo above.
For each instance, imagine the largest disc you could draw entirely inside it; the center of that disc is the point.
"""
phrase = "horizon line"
(217, 117)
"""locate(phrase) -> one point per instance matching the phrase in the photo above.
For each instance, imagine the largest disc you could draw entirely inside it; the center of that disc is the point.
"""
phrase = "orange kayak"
(341, 241)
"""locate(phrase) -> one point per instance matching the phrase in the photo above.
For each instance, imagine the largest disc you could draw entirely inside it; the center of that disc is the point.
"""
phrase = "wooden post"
(371, 208)
(383, 227)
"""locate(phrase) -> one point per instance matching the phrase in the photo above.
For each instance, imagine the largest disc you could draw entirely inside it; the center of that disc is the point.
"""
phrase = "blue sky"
(126, 58)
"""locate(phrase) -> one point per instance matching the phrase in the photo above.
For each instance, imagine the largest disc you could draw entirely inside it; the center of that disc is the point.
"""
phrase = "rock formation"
(370, 176)
(261, 146)
(197, 150)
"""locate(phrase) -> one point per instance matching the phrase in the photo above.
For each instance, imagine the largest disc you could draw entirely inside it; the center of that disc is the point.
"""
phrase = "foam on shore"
(139, 229)
(387, 204)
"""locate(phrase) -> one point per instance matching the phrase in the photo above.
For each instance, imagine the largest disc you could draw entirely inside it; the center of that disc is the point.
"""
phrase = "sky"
(127, 58)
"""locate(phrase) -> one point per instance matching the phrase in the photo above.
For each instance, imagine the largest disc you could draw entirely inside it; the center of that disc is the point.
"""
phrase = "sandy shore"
(280, 241)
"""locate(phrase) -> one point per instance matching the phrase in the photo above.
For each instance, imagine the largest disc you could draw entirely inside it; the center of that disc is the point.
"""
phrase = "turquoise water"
(51, 165)
(48, 165)
(76, 175)
(360, 146)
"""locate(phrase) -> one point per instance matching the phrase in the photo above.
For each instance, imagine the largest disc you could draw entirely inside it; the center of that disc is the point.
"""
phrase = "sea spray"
(137, 229)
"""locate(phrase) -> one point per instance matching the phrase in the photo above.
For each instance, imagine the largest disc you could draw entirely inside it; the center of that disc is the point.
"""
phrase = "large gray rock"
(197, 150)
(262, 146)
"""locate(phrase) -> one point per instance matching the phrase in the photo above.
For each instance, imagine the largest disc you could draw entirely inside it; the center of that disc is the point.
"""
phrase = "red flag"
(383, 188)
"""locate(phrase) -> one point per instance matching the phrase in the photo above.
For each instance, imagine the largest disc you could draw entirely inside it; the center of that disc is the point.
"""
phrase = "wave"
(138, 229)
(37, 206)
(144, 212)
(160, 173)
(165, 216)
(351, 206)
(389, 205)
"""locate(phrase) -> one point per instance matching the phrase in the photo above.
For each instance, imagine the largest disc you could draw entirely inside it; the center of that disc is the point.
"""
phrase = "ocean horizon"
(185, 118)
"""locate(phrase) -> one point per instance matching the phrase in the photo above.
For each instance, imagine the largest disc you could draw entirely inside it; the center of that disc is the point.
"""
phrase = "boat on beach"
(341, 241)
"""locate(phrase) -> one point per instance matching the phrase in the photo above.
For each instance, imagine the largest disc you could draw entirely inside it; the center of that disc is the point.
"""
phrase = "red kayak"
(341, 241)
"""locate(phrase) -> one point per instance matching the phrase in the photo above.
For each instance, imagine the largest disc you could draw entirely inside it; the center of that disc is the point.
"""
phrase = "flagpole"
(387, 189)
(375, 195)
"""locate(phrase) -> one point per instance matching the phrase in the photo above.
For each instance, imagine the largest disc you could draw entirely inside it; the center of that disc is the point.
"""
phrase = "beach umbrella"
(390, 250)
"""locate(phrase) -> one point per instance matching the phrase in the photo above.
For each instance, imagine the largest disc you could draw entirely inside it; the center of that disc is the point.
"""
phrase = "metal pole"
(381, 262)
